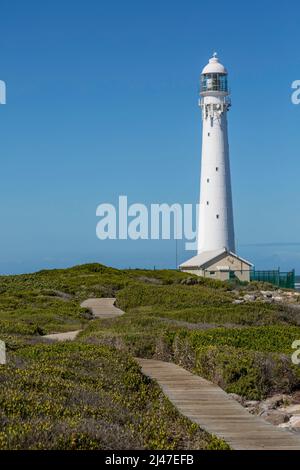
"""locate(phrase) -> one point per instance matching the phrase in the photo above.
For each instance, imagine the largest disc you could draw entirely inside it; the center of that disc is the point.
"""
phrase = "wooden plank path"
(201, 401)
(213, 410)
(68, 336)
(102, 308)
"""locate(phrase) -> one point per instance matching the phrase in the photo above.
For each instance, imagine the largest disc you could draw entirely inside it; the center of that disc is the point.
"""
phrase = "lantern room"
(214, 77)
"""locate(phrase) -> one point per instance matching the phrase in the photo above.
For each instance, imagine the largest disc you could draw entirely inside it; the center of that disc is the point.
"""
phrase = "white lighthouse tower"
(215, 229)
(216, 246)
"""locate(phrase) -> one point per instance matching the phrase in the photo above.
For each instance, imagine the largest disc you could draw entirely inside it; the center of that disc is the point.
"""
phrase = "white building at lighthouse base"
(218, 264)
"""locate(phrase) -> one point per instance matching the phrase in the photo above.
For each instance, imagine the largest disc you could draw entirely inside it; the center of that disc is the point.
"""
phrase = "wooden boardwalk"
(68, 336)
(213, 410)
(102, 308)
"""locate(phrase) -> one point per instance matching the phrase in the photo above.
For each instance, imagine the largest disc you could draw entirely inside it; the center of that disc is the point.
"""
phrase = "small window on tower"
(207, 180)
(217, 168)
(207, 203)
(217, 216)
(208, 134)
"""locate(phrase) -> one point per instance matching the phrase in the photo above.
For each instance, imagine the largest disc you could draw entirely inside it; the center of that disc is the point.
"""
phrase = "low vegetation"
(79, 396)
(90, 394)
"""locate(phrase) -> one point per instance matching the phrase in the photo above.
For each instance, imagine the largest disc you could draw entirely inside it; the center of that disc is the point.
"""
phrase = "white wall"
(215, 233)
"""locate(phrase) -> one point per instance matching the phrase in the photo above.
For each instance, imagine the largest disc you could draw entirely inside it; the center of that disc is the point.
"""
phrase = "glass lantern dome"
(214, 82)
(214, 77)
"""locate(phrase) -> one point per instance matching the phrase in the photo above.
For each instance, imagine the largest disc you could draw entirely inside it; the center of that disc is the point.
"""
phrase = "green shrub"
(170, 297)
(81, 396)
(244, 314)
(251, 374)
(263, 338)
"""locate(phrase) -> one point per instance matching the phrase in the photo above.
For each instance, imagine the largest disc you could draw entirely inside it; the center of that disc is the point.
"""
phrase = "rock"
(251, 403)
(252, 410)
(284, 425)
(278, 299)
(267, 300)
(252, 406)
(265, 293)
(292, 409)
(236, 397)
(275, 417)
(294, 422)
(249, 297)
(190, 281)
(295, 398)
(263, 407)
(238, 301)
(272, 403)
(291, 294)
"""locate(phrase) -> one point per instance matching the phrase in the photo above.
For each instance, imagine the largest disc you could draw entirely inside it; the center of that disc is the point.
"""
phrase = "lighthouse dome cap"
(214, 66)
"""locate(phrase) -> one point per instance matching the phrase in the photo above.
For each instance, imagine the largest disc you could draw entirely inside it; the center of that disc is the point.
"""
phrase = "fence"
(280, 279)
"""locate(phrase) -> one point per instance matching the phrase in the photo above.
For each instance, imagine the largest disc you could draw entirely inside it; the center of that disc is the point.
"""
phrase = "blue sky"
(102, 101)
